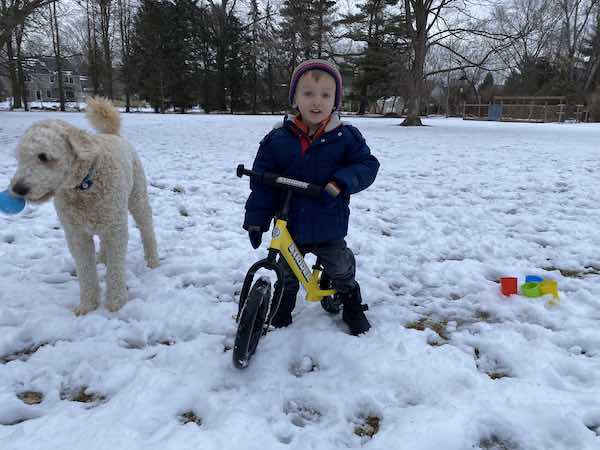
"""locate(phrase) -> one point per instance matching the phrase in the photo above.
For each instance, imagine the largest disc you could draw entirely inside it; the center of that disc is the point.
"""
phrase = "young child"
(316, 147)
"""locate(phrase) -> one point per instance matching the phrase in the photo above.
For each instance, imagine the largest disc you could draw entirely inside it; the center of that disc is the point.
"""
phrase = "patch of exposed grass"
(497, 443)
(496, 375)
(190, 416)
(575, 273)
(31, 397)
(369, 428)
(21, 355)
(82, 396)
(425, 322)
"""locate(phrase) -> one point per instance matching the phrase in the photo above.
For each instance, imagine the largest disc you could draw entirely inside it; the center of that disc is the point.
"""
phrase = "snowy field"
(449, 364)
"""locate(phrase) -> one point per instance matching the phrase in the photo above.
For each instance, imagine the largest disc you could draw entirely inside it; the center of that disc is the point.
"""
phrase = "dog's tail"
(103, 116)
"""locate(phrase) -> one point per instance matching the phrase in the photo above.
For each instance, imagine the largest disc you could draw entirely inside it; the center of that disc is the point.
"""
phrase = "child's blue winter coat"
(339, 155)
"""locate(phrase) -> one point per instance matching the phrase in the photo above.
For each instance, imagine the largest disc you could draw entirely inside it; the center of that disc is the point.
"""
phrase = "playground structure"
(526, 109)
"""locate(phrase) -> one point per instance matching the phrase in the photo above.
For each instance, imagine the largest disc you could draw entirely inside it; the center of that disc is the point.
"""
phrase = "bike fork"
(268, 263)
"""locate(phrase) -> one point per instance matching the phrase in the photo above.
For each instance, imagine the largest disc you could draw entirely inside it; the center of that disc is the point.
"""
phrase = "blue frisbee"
(10, 204)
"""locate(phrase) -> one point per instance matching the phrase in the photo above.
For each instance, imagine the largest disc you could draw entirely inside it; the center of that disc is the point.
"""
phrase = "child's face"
(315, 96)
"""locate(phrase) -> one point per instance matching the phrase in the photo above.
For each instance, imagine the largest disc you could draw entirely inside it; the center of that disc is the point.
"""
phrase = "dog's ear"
(80, 143)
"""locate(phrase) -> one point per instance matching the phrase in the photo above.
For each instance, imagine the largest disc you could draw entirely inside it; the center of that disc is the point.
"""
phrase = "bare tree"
(53, 20)
(534, 23)
(13, 13)
(105, 21)
(431, 23)
(125, 11)
(220, 14)
(575, 18)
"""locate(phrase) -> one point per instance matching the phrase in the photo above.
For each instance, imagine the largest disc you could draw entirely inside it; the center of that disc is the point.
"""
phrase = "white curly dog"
(94, 179)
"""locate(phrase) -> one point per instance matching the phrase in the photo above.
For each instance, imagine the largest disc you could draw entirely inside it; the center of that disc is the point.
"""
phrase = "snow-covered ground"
(449, 363)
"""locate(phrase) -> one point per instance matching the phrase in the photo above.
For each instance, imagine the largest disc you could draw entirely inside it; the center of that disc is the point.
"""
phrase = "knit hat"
(317, 64)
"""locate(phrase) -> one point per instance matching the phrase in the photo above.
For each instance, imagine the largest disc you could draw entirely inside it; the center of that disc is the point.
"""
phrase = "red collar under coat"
(301, 130)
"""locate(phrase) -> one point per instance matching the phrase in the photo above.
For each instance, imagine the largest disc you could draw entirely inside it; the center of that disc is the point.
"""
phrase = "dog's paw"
(153, 262)
(84, 309)
(113, 307)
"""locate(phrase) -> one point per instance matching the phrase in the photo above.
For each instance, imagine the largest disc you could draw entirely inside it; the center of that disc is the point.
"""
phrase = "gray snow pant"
(337, 261)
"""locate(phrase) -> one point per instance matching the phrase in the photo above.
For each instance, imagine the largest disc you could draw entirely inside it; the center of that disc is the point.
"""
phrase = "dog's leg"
(115, 245)
(81, 246)
(139, 206)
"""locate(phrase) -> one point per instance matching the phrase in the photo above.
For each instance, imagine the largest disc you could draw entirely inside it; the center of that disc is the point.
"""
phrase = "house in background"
(41, 80)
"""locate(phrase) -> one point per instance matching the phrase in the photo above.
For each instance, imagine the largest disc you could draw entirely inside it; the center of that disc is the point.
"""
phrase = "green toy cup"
(531, 289)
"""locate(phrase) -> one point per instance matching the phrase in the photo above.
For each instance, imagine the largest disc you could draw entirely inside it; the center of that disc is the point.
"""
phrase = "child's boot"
(353, 312)
(283, 315)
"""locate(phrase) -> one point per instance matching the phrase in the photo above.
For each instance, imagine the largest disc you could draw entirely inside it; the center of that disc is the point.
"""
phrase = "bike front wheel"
(251, 322)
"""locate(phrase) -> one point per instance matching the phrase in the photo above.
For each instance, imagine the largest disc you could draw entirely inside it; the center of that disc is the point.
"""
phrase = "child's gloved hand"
(333, 189)
(255, 234)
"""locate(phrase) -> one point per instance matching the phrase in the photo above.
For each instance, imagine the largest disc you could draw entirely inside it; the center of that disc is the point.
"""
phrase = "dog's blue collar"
(87, 181)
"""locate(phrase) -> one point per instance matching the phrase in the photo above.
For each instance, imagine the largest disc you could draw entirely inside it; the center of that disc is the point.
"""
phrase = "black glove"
(255, 234)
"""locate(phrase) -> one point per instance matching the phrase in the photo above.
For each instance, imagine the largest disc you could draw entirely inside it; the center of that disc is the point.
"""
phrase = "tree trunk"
(320, 31)
(15, 85)
(270, 82)
(18, 30)
(57, 56)
(124, 25)
(364, 101)
(21, 75)
(105, 29)
(92, 47)
(416, 76)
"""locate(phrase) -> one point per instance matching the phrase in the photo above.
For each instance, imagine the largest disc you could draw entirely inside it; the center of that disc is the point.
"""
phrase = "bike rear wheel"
(251, 322)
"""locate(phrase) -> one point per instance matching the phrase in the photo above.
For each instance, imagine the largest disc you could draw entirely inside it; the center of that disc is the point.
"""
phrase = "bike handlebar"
(282, 182)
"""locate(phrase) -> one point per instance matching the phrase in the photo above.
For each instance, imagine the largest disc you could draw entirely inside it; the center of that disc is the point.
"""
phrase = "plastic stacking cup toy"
(10, 204)
(508, 285)
(531, 290)
(533, 279)
(549, 287)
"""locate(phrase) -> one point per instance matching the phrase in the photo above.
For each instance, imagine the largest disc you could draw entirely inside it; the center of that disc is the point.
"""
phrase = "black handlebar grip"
(240, 171)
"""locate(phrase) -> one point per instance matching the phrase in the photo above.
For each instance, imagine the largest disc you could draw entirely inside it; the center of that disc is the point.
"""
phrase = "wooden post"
(560, 112)
(530, 110)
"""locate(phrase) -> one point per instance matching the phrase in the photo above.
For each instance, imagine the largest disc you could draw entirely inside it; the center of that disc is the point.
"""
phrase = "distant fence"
(526, 109)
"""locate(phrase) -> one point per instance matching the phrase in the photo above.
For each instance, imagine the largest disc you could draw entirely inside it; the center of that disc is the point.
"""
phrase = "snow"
(449, 363)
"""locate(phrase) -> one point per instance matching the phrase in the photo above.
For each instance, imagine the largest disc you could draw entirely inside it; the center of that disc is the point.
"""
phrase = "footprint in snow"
(301, 413)
(303, 366)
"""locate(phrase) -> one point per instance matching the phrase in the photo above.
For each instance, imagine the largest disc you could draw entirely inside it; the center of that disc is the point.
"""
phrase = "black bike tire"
(251, 322)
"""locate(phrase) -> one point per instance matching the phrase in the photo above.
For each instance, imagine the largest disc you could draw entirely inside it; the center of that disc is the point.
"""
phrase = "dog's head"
(51, 155)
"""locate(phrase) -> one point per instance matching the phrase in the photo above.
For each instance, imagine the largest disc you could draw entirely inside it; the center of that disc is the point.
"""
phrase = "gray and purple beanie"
(317, 64)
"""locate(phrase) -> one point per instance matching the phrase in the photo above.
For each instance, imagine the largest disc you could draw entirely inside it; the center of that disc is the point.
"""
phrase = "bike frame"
(281, 241)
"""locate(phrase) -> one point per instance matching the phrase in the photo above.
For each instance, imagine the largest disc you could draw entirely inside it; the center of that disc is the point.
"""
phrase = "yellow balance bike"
(257, 306)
